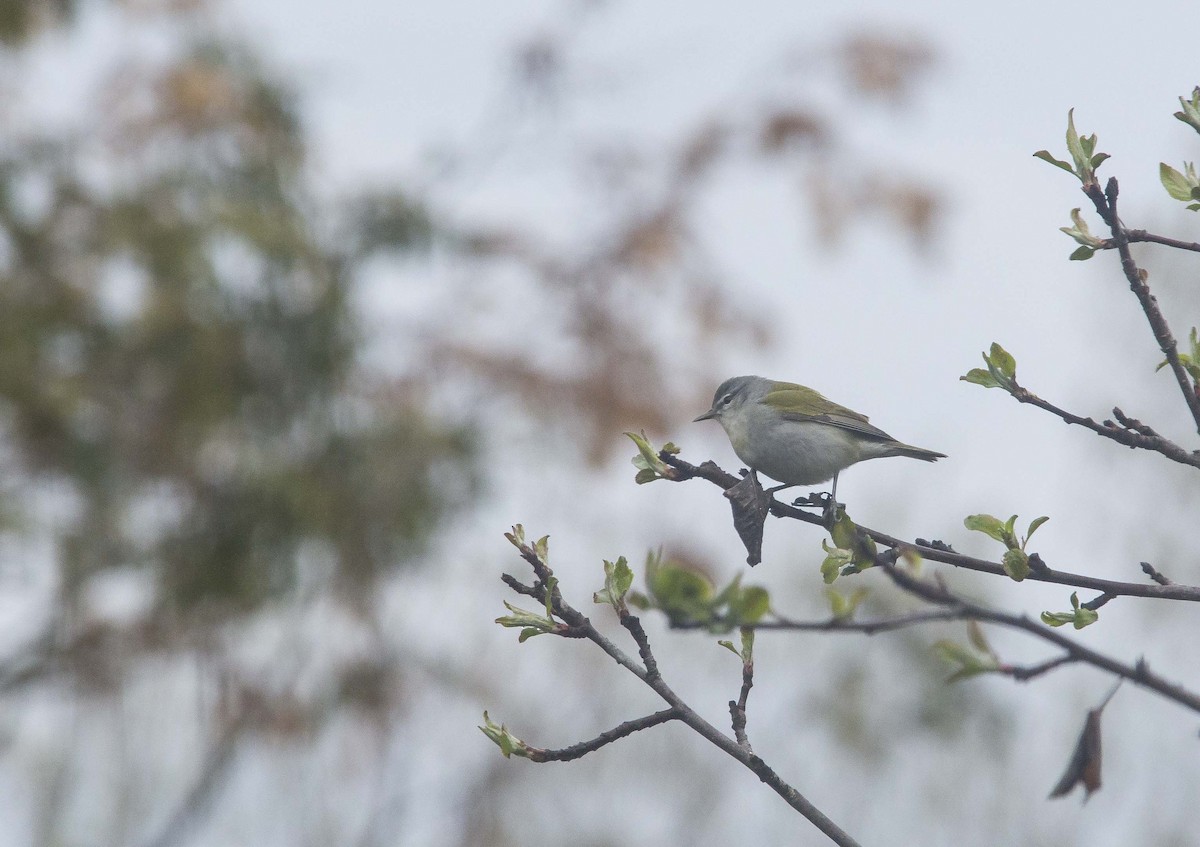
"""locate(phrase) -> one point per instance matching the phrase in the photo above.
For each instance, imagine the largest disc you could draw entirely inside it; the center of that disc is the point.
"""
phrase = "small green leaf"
(1191, 110)
(1002, 360)
(516, 537)
(1085, 617)
(747, 644)
(986, 524)
(1079, 616)
(1057, 619)
(835, 559)
(1082, 150)
(618, 578)
(1175, 182)
(1081, 254)
(1080, 232)
(728, 645)
(1033, 526)
(981, 377)
(505, 740)
(1016, 563)
(842, 606)
(541, 549)
(752, 603)
(1045, 156)
(650, 466)
(530, 623)
(966, 662)
(683, 594)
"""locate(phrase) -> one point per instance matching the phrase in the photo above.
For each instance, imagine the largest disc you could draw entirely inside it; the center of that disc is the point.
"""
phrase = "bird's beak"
(707, 416)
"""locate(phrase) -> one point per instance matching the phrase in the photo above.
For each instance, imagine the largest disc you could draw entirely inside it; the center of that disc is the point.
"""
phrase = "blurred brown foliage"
(179, 348)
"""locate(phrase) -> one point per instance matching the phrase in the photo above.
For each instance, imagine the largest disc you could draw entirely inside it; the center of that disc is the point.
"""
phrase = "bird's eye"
(726, 400)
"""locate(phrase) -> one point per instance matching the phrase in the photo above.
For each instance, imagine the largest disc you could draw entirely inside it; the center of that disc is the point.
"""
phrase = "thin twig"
(1024, 673)
(841, 624)
(1131, 436)
(1153, 573)
(1140, 235)
(580, 623)
(1106, 206)
(1138, 673)
(578, 751)
(737, 708)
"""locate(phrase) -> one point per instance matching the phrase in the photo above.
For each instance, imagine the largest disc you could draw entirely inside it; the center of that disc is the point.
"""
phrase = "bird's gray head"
(736, 392)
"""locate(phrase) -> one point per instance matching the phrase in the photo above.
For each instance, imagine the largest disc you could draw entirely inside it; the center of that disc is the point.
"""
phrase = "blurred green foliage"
(179, 349)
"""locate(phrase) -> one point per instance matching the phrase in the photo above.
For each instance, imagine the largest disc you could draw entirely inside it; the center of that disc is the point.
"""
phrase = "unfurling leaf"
(1033, 525)
(508, 743)
(986, 524)
(1001, 370)
(1175, 182)
(750, 604)
(650, 466)
(842, 606)
(965, 661)
(1002, 360)
(618, 579)
(979, 376)
(1045, 156)
(1080, 232)
(1015, 563)
(530, 623)
(1079, 616)
(1191, 110)
(835, 559)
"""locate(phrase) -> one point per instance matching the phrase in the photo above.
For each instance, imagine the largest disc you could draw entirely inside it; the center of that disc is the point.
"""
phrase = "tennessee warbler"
(794, 435)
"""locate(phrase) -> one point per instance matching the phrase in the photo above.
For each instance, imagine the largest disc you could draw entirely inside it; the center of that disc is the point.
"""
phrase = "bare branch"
(649, 675)
(1106, 206)
(737, 708)
(843, 624)
(578, 751)
(1136, 235)
(1139, 673)
(1131, 433)
(1024, 673)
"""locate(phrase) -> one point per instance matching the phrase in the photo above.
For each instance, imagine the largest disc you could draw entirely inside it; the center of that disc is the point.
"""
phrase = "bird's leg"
(831, 504)
(770, 491)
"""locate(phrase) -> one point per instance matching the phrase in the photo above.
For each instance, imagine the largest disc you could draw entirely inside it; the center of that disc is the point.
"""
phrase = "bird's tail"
(898, 449)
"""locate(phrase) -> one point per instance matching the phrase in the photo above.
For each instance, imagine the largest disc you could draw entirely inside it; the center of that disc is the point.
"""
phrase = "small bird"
(797, 437)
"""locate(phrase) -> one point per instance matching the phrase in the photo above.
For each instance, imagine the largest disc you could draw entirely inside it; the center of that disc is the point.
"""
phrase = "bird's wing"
(789, 397)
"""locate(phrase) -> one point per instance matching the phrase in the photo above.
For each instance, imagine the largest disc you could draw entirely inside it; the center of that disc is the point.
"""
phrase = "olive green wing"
(798, 403)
